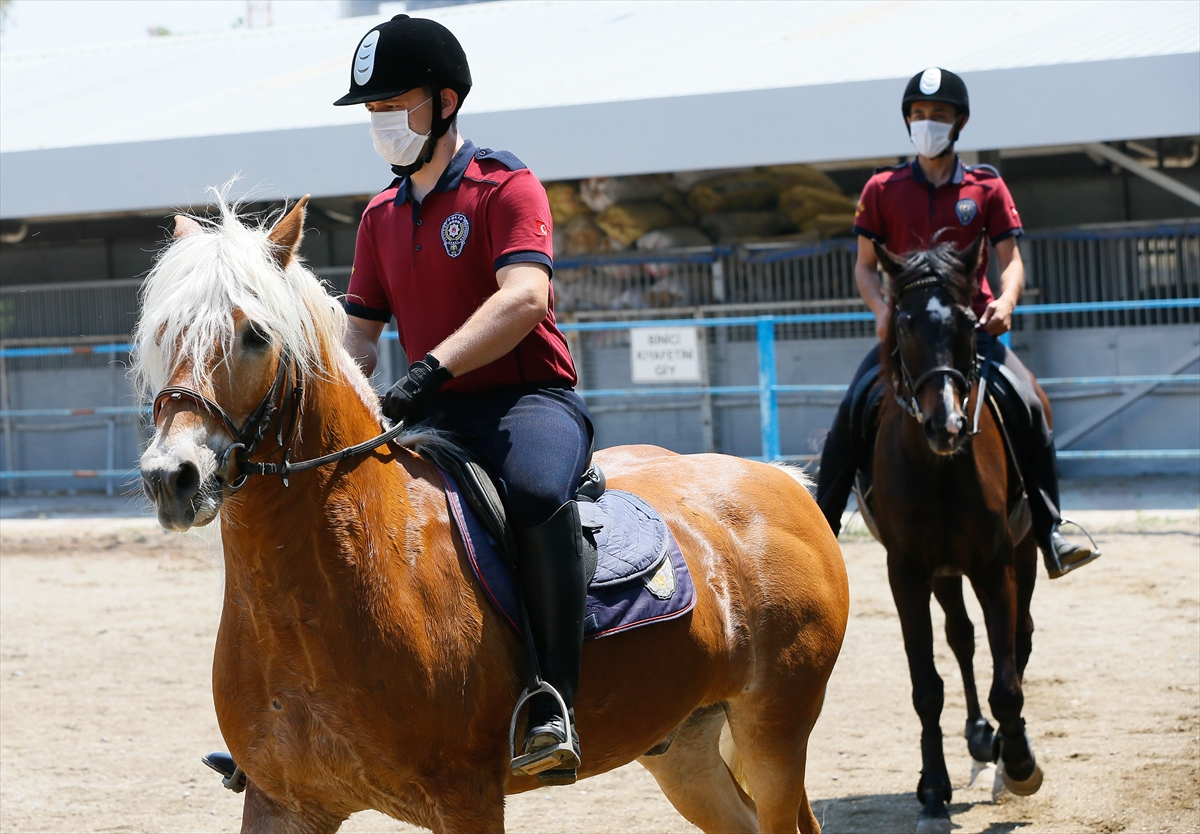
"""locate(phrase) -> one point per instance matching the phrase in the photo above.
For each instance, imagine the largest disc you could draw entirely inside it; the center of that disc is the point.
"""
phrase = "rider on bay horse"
(905, 208)
(458, 248)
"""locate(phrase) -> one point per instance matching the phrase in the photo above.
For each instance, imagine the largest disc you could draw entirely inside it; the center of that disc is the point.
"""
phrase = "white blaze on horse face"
(948, 403)
(939, 311)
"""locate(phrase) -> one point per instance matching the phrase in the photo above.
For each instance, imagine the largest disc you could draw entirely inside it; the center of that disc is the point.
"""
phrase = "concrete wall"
(1167, 418)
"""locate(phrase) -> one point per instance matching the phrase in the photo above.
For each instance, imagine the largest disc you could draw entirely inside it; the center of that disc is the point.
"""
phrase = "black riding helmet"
(405, 53)
(937, 84)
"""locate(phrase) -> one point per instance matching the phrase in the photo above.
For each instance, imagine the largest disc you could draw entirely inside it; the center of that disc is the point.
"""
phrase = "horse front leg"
(911, 592)
(960, 634)
(1017, 770)
(263, 815)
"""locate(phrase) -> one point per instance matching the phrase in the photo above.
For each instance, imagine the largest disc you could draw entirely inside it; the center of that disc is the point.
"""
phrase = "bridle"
(963, 382)
(288, 390)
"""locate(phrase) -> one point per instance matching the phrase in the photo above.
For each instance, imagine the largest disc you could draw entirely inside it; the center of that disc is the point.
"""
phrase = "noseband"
(247, 437)
(963, 382)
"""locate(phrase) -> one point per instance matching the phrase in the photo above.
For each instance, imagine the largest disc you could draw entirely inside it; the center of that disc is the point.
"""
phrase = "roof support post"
(1133, 166)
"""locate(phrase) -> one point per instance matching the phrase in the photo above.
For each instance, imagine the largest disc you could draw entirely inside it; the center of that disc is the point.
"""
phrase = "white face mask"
(394, 140)
(930, 138)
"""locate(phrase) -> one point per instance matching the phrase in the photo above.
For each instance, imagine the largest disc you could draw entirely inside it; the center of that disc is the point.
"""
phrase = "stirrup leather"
(559, 756)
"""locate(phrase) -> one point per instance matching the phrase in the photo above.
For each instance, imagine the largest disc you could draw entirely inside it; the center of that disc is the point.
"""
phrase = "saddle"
(482, 496)
(1005, 395)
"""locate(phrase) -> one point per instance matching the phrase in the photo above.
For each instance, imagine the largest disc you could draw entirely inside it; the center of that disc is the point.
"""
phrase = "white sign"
(664, 354)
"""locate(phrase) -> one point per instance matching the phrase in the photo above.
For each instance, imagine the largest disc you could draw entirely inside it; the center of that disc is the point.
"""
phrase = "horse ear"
(890, 263)
(287, 233)
(185, 225)
(972, 256)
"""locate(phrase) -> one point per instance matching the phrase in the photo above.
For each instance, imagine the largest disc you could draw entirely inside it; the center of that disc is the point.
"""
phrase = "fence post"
(767, 407)
(708, 441)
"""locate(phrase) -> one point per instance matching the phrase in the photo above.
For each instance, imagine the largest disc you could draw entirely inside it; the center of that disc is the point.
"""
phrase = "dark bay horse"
(358, 663)
(942, 498)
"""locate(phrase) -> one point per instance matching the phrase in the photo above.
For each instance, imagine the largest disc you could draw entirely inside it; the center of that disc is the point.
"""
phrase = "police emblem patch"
(966, 210)
(454, 233)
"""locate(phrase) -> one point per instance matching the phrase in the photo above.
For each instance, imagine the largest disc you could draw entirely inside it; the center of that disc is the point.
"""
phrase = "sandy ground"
(106, 635)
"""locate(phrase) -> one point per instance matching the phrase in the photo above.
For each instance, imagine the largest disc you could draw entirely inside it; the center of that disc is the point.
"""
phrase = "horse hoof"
(934, 819)
(981, 740)
(1028, 787)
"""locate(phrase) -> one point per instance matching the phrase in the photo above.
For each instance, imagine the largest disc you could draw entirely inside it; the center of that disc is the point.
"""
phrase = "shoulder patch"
(983, 170)
(508, 160)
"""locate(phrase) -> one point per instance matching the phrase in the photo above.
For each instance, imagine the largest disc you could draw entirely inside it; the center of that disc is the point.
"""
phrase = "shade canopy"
(586, 89)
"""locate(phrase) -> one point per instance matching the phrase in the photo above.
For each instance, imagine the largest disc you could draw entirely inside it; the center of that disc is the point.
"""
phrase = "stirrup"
(232, 776)
(561, 756)
(1062, 570)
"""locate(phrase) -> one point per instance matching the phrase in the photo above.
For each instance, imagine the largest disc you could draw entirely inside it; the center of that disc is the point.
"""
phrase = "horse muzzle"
(183, 488)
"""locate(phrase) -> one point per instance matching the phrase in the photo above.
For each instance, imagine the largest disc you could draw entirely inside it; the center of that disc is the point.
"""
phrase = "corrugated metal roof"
(587, 89)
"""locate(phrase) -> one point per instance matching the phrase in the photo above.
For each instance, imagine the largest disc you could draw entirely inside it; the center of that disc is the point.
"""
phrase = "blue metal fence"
(767, 388)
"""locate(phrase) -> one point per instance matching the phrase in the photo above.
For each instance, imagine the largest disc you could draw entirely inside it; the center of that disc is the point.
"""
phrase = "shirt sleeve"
(1002, 219)
(519, 223)
(868, 219)
(365, 298)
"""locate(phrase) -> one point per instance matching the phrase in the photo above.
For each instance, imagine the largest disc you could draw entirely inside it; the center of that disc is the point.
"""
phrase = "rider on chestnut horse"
(458, 248)
(913, 206)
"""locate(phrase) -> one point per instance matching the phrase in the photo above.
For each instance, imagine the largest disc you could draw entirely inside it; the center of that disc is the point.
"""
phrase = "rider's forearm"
(497, 327)
(1012, 271)
(362, 346)
(871, 289)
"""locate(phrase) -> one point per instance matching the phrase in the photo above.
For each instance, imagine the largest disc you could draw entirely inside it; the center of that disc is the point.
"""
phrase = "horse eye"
(903, 321)
(253, 337)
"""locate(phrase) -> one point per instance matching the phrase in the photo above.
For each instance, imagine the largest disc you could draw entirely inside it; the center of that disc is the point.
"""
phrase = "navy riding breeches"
(533, 440)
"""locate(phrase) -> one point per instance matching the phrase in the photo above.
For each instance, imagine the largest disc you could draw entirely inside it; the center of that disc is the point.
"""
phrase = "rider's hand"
(881, 322)
(997, 316)
(408, 398)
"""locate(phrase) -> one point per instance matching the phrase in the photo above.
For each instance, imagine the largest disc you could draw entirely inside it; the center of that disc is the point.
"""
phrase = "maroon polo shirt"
(432, 264)
(901, 209)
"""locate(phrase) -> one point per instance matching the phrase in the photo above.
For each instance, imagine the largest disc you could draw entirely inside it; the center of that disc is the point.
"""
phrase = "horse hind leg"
(695, 779)
(960, 634)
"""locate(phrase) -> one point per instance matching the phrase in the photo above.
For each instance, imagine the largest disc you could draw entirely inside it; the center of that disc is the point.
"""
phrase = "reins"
(247, 437)
(963, 382)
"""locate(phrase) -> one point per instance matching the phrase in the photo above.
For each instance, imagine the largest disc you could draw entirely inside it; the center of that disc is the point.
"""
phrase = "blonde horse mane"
(228, 264)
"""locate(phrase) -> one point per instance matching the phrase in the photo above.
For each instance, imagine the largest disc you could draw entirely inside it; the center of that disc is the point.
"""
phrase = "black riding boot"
(550, 572)
(840, 459)
(1060, 555)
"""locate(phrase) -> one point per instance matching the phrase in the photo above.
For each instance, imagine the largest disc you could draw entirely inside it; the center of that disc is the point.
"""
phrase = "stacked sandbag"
(672, 237)
(774, 203)
(811, 208)
(736, 226)
(626, 222)
(565, 204)
(745, 191)
(600, 193)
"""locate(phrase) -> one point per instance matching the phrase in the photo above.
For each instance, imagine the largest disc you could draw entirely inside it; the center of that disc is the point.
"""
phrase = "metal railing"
(766, 392)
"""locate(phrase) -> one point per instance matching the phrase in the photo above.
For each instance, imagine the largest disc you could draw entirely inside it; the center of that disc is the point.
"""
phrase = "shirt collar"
(450, 179)
(955, 179)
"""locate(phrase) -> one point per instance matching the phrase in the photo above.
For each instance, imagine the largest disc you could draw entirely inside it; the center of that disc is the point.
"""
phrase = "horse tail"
(797, 473)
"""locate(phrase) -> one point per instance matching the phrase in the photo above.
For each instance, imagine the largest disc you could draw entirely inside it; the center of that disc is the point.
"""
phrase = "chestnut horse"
(942, 496)
(358, 664)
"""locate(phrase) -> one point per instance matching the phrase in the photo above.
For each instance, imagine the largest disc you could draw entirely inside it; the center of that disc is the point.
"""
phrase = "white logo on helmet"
(931, 81)
(364, 58)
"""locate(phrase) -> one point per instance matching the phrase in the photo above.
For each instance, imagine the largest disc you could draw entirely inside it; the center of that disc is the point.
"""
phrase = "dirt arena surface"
(107, 629)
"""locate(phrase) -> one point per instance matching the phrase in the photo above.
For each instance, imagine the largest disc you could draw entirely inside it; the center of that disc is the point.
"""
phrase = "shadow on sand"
(885, 813)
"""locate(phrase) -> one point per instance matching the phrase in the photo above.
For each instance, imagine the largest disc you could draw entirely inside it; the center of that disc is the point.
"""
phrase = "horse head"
(929, 347)
(231, 322)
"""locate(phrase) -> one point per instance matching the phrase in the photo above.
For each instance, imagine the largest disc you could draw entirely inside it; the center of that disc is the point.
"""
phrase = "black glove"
(408, 398)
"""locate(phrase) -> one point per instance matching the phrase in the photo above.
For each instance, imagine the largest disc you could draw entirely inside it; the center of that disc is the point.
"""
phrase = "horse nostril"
(185, 481)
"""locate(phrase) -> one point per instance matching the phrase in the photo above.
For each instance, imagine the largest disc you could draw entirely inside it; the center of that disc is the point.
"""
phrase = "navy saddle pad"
(641, 577)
